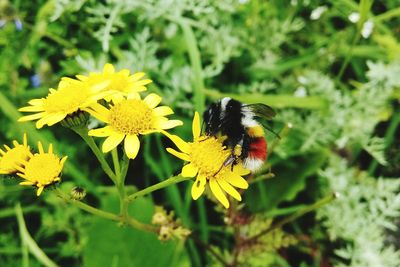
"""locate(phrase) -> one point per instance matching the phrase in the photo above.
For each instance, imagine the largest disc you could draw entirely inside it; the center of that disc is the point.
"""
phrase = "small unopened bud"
(75, 119)
(78, 193)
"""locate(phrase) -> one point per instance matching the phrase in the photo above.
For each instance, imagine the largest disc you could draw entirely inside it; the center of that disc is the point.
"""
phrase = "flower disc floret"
(128, 120)
(42, 169)
(11, 158)
(208, 155)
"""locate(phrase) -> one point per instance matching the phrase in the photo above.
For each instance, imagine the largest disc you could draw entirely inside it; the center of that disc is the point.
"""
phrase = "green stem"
(388, 15)
(82, 132)
(117, 168)
(195, 60)
(262, 177)
(29, 242)
(104, 214)
(389, 137)
(160, 185)
(296, 215)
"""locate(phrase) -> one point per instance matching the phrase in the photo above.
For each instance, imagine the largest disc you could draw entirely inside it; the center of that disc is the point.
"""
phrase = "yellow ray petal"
(217, 192)
(229, 189)
(236, 180)
(143, 82)
(99, 112)
(36, 102)
(189, 170)
(182, 145)
(54, 118)
(239, 169)
(198, 186)
(163, 111)
(32, 117)
(40, 147)
(101, 132)
(112, 141)
(39, 191)
(177, 154)
(133, 95)
(196, 125)
(35, 108)
(152, 100)
(108, 68)
(26, 183)
(132, 145)
(165, 125)
(137, 76)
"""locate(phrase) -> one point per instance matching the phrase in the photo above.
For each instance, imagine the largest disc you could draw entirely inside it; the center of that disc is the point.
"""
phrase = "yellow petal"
(26, 183)
(196, 125)
(165, 125)
(108, 68)
(137, 76)
(39, 191)
(198, 187)
(182, 145)
(32, 117)
(36, 102)
(35, 108)
(152, 100)
(40, 147)
(177, 154)
(99, 112)
(50, 149)
(132, 145)
(133, 95)
(239, 169)
(217, 192)
(236, 180)
(229, 189)
(63, 161)
(54, 118)
(101, 132)
(81, 77)
(143, 82)
(163, 111)
(112, 141)
(189, 170)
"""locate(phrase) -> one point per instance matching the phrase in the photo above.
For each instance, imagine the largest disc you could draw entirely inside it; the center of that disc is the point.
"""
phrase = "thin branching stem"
(296, 215)
(158, 186)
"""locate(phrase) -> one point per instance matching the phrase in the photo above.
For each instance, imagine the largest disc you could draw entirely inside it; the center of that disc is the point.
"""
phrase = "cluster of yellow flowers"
(39, 169)
(113, 98)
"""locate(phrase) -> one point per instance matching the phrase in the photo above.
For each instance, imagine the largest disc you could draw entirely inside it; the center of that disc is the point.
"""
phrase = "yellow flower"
(42, 169)
(129, 117)
(121, 83)
(71, 96)
(206, 156)
(13, 157)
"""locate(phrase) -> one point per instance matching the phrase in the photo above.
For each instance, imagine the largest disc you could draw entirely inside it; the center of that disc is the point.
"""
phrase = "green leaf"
(111, 245)
(290, 178)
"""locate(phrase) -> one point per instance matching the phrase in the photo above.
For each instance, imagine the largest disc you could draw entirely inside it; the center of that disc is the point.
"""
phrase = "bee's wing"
(262, 110)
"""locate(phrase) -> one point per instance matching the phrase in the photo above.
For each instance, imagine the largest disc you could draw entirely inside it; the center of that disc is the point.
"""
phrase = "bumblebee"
(245, 135)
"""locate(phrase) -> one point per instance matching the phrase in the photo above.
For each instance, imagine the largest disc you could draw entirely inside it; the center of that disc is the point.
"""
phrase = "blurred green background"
(330, 68)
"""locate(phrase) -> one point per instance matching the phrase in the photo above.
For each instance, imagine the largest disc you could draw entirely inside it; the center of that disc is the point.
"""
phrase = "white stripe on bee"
(224, 101)
(253, 164)
(248, 117)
